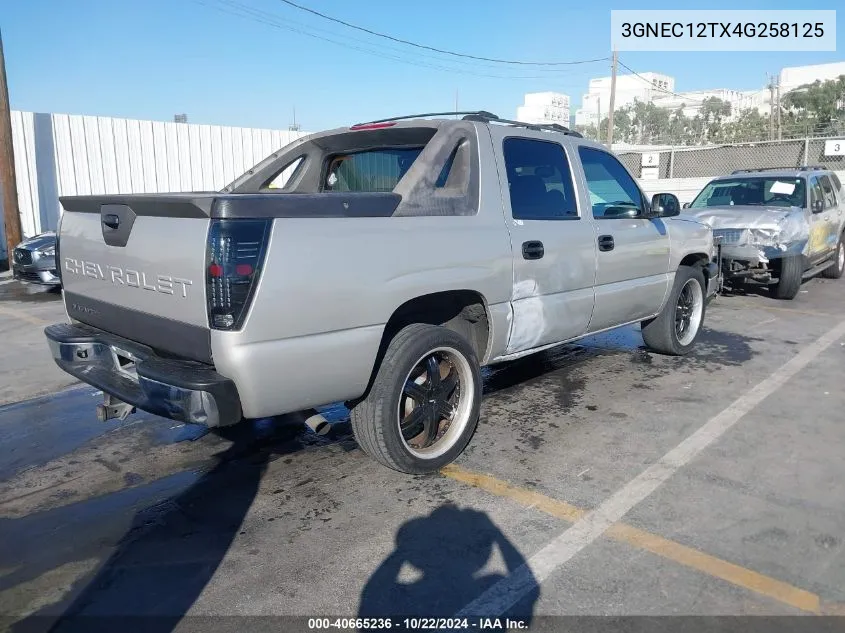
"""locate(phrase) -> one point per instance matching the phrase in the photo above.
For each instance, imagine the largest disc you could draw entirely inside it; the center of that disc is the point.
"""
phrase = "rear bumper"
(177, 389)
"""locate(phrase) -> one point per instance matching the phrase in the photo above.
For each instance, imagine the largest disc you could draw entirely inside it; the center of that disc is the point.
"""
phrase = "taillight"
(58, 241)
(234, 257)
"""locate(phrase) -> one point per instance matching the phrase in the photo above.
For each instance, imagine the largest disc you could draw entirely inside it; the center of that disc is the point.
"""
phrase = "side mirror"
(665, 205)
(686, 205)
(818, 206)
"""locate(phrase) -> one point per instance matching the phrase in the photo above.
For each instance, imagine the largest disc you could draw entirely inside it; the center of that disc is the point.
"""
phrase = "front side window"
(613, 192)
(369, 171)
(539, 180)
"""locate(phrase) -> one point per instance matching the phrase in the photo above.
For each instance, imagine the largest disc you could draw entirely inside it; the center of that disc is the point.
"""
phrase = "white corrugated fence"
(64, 155)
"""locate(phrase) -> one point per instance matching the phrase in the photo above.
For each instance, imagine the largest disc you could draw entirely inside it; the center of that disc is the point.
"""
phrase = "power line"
(432, 48)
(675, 94)
(269, 19)
(310, 30)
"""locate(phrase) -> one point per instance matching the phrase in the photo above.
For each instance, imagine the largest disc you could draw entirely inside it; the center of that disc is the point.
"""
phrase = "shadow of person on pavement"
(442, 562)
(172, 550)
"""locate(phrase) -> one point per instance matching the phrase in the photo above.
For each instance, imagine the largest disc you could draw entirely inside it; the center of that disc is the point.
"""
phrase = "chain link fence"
(685, 170)
(701, 162)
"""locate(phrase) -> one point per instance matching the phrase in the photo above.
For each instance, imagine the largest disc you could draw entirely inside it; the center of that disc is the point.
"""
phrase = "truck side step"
(815, 270)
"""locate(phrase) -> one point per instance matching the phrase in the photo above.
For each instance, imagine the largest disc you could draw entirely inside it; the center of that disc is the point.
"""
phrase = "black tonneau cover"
(244, 205)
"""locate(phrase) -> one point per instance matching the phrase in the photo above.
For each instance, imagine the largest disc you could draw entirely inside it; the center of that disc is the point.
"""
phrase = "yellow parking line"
(670, 550)
(22, 316)
(529, 498)
(716, 567)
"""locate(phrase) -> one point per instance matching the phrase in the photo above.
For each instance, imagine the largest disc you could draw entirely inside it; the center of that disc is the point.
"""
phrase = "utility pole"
(456, 103)
(11, 214)
(771, 107)
(612, 99)
(598, 125)
(294, 127)
(780, 129)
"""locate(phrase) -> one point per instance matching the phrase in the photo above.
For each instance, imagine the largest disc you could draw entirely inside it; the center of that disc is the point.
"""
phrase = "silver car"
(777, 226)
(34, 260)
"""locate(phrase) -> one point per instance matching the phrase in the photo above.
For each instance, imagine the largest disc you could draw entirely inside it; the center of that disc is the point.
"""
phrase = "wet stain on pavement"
(503, 376)
(183, 522)
(724, 348)
(23, 293)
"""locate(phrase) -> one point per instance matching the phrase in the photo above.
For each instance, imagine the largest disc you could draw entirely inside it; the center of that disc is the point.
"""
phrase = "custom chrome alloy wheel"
(436, 402)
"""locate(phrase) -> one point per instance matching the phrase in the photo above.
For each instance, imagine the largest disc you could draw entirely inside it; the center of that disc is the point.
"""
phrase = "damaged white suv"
(777, 226)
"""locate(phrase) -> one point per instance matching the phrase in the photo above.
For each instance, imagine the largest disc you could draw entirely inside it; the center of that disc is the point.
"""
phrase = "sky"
(252, 62)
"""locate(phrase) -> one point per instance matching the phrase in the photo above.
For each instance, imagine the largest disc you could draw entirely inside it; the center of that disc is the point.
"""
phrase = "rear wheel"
(789, 283)
(838, 268)
(423, 406)
(676, 328)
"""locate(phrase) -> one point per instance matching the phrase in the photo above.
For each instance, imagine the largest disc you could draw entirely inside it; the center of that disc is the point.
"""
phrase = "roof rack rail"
(465, 114)
(486, 117)
(787, 168)
(477, 115)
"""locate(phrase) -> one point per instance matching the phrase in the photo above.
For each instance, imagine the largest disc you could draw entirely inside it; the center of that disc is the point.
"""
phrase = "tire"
(791, 271)
(662, 334)
(838, 268)
(406, 370)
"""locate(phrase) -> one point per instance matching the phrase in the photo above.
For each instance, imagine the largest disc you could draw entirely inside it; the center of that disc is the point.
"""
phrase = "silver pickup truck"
(380, 265)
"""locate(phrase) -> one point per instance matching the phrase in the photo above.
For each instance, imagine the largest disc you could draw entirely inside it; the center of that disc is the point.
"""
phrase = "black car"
(34, 260)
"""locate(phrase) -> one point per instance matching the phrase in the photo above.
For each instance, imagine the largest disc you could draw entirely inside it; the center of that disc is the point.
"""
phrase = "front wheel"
(838, 268)
(789, 282)
(675, 330)
(423, 405)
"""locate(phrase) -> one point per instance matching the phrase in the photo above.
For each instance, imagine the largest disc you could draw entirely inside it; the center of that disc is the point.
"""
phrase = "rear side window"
(836, 182)
(539, 180)
(827, 189)
(816, 194)
(369, 171)
(280, 180)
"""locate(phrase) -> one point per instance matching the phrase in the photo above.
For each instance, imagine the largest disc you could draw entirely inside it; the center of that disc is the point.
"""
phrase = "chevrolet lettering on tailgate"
(164, 284)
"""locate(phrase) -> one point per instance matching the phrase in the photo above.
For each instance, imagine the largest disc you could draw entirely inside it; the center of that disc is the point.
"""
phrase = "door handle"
(111, 220)
(533, 250)
(606, 243)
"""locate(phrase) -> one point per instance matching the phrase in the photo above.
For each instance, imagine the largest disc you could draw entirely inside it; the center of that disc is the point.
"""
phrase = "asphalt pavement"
(603, 480)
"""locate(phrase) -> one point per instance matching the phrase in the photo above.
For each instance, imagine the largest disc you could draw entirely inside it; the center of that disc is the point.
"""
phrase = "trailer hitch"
(112, 408)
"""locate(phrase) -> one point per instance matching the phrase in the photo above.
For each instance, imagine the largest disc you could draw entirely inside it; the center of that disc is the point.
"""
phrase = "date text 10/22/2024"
(437, 624)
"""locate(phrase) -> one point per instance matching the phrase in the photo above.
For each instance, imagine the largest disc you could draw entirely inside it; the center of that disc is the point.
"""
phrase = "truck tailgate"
(134, 267)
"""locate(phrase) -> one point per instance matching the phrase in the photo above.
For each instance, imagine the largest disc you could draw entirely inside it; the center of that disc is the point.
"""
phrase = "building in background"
(659, 89)
(796, 76)
(544, 107)
(690, 102)
(642, 87)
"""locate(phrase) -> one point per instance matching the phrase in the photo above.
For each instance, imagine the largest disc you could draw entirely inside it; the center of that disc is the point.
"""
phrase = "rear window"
(377, 170)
